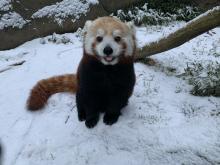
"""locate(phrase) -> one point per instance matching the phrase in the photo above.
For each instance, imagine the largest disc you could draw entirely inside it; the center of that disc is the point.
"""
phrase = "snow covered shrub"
(152, 14)
(204, 77)
(8, 17)
(143, 15)
(190, 110)
(55, 38)
(183, 9)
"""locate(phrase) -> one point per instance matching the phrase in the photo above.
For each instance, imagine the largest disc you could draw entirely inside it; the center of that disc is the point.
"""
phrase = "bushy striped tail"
(47, 87)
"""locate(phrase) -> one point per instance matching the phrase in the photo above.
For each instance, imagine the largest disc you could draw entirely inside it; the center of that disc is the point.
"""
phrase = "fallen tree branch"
(5, 69)
(18, 63)
(203, 23)
(12, 66)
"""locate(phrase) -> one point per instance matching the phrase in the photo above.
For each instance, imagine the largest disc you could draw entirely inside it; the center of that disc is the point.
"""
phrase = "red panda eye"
(117, 39)
(99, 38)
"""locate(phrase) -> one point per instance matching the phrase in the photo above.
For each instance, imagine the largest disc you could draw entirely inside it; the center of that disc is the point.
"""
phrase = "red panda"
(105, 77)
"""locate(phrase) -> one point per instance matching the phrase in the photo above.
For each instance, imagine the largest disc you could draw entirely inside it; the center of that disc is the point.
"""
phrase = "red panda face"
(108, 39)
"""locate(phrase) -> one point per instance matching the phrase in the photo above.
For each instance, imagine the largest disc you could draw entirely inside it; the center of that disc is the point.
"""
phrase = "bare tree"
(199, 25)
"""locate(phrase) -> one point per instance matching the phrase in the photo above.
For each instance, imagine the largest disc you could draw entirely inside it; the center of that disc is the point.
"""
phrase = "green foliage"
(205, 78)
(204, 74)
(169, 6)
(157, 12)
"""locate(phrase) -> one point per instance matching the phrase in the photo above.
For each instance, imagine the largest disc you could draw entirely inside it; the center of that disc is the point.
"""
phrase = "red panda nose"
(108, 50)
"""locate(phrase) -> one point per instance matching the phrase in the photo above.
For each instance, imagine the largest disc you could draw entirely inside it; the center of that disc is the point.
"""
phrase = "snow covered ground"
(163, 123)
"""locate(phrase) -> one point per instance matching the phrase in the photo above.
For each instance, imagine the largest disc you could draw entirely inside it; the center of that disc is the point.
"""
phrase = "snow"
(9, 18)
(64, 9)
(12, 19)
(5, 5)
(163, 123)
(214, 9)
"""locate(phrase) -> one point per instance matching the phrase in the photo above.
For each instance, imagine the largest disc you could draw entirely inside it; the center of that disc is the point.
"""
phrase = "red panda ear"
(131, 26)
(87, 25)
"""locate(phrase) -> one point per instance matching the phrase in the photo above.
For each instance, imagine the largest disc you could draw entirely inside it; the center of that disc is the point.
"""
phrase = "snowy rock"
(64, 9)
(12, 19)
(5, 5)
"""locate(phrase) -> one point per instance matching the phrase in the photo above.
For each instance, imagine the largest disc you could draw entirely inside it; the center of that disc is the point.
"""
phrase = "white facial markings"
(88, 41)
(130, 45)
(116, 33)
(131, 27)
(113, 62)
(108, 41)
(100, 32)
(87, 25)
(129, 39)
(88, 38)
(93, 44)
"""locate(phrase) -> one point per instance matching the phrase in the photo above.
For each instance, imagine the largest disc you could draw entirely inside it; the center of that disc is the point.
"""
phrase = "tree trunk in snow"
(201, 24)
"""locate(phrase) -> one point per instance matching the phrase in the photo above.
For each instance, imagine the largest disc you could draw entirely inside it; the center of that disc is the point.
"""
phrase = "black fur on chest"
(103, 88)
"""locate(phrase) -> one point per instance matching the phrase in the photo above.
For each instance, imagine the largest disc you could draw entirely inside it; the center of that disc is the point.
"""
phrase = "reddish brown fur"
(47, 87)
(68, 83)
(110, 23)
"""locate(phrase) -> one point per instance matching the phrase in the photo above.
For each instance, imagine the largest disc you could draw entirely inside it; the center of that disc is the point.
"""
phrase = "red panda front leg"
(117, 102)
(88, 108)
(111, 118)
(91, 118)
(81, 111)
(92, 114)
